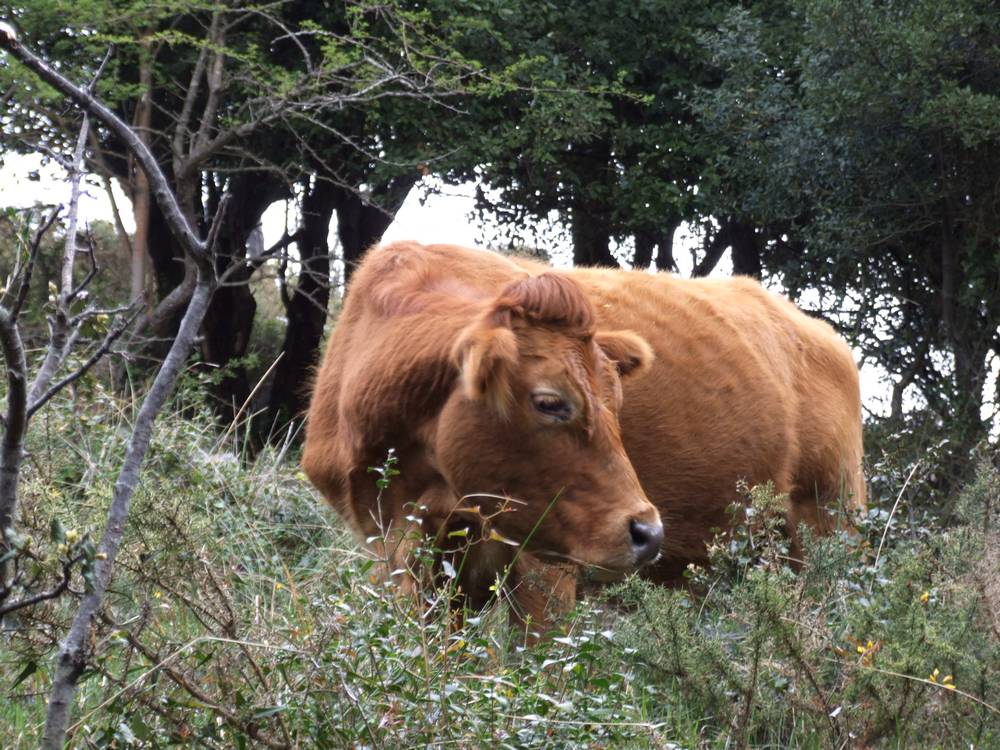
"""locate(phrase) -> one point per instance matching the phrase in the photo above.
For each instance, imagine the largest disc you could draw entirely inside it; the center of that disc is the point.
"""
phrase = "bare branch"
(93, 312)
(55, 591)
(94, 268)
(258, 260)
(181, 129)
(213, 78)
(82, 96)
(25, 284)
(109, 339)
(15, 423)
(59, 325)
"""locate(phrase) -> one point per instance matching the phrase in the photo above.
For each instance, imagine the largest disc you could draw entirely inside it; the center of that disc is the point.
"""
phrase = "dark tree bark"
(306, 309)
(745, 244)
(714, 251)
(361, 222)
(167, 259)
(746, 250)
(665, 248)
(228, 323)
(590, 216)
(591, 231)
(645, 244)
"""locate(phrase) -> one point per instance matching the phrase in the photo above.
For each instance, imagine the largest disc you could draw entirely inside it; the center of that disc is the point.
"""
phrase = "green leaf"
(265, 712)
(56, 531)
(30, 668)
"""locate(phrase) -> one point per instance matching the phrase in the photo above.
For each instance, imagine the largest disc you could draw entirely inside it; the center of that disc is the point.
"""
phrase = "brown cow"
(506, 385)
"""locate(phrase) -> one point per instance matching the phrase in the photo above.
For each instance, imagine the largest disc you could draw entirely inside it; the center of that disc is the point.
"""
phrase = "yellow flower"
(157, 594)
(934, 675)
(925, 597)
(279, 586)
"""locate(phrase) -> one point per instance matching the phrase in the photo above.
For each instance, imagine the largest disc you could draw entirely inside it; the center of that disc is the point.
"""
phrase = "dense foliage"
(862, 139)
(844, 151)
(242, 615)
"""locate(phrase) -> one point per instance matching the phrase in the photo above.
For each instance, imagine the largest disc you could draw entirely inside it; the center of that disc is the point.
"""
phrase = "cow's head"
(535, 419)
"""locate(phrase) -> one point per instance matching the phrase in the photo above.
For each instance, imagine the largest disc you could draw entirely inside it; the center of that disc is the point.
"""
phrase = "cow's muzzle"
(646, 538)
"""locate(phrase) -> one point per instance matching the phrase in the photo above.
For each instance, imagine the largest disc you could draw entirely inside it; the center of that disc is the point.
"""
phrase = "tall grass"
(243, 614)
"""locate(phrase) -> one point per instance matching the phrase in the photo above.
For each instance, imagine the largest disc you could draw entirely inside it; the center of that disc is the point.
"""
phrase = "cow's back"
(744, 387)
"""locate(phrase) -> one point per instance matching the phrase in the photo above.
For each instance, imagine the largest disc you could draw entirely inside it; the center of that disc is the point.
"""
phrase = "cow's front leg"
(540, 595)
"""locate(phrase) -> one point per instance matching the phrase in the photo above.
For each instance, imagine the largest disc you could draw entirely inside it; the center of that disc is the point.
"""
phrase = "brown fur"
(436, 354)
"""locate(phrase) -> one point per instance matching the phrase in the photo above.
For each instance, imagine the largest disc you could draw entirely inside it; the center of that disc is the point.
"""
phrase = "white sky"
(444, 215)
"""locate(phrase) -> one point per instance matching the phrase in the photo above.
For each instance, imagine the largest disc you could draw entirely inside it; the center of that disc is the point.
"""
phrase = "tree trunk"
(714, 251)
(141, 195)
(167, 258)
(591, 235)
(306, 310)
(590, 213)
(361, 223)
(746, 250)
(228, 323)
(645, 243)
(665, 252)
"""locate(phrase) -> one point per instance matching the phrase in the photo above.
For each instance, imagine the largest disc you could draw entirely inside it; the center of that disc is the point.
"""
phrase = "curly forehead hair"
(550, 299)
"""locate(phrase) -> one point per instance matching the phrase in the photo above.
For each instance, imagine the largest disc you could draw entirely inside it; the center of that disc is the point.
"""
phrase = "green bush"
(243, 614)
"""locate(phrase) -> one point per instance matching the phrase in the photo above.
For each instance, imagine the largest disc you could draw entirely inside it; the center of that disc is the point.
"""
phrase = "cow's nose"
(646, 540)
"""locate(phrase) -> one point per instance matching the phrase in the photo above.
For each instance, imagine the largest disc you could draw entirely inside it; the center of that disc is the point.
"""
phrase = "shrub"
(243, 614)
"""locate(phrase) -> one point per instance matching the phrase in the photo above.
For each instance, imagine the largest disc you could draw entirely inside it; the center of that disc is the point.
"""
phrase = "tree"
(865, 138)
(252, 100)
(607, 139)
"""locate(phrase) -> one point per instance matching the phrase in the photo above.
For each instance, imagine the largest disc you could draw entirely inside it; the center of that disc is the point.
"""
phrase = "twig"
(112, 336)
(888, 522)
(162, 664)
(55, 591)
(25, 283)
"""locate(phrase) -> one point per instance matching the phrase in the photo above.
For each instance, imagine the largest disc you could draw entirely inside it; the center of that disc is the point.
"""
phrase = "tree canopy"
(863, 141)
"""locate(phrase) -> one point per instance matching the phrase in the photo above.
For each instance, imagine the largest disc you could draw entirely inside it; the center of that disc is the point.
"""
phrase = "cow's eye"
(552, 405)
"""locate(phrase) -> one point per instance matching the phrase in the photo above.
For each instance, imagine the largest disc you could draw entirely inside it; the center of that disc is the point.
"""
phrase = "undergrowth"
(242, 614)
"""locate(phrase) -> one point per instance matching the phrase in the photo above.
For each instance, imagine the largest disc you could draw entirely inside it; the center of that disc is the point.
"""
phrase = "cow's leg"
(824, 505)
(540, 594)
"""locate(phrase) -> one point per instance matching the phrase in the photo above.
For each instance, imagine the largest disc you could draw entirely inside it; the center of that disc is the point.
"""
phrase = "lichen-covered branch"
(82, 96)
(73, 652)
(16, 422)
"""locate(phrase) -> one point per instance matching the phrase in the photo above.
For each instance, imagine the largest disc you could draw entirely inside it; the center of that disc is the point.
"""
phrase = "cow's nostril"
(646, 540)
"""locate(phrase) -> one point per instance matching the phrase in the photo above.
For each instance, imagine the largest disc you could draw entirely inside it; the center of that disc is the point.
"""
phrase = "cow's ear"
(486, 355)
(630, 352)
